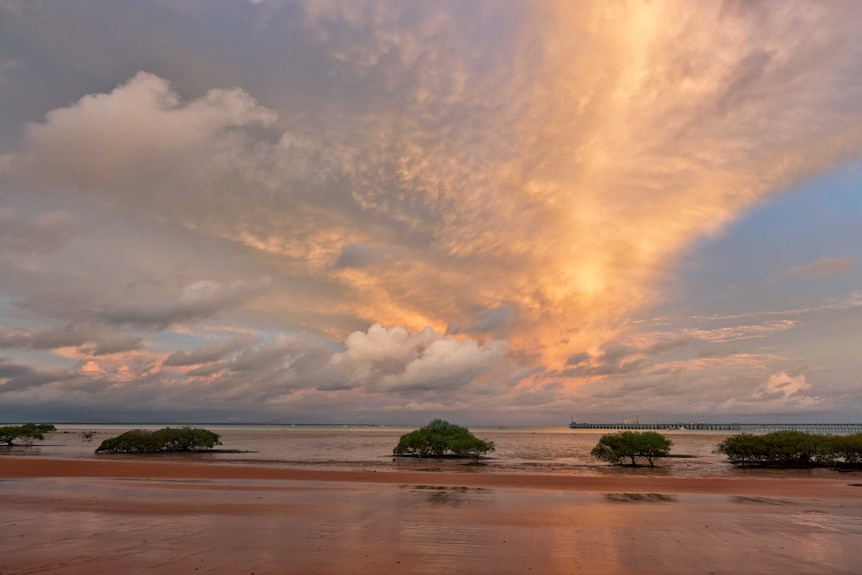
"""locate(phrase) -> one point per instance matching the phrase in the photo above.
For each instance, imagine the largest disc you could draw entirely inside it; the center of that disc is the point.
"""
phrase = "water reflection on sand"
(76, 526)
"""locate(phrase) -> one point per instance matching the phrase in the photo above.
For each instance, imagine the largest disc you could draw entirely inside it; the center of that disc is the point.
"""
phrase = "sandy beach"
(116, 516)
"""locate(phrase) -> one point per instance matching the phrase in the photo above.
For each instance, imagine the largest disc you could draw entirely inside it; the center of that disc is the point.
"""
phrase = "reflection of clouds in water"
(761, 500)
(817, 519)
(448, 496)
(21, 449)
(660, 470)
(822, 528)
(640, 498)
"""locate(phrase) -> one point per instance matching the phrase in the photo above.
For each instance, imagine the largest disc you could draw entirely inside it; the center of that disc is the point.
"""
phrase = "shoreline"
(16, 467)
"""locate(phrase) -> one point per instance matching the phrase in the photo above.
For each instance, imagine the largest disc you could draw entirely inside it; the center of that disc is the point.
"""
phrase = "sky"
(360, 211)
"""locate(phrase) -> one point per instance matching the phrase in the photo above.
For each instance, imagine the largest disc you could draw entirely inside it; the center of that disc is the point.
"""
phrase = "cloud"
(89, 339)
(10, 338)
(730, 385)
(578, 358)
(619, 358)
(395, 359)
(445, 365)
(614, 359)
(7, 68)
(824, 267)
(847, 301)
(667, 344)
(112, 322)
(209, 164)
(487, 321)
(209, 352)
(381, 351)
(264, 358)
(46, 234)
(116, 344)
(139, 129)
(502, 186)
(18, 377)
(783, 386)
(199, 300)
(720, 353)
(459, 149)
(741, 332)
(380, 366)
(362, 255)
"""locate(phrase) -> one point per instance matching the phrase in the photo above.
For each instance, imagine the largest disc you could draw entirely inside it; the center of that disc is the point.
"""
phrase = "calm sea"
(551, 450)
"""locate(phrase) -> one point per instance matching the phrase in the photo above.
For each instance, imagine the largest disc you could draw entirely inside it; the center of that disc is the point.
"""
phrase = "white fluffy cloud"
(394, 359)
(105, 143)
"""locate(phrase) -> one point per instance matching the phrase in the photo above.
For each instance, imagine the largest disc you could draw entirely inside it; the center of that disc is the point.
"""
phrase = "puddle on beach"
(161, 480)
(447, 496)
(760, 500)
(640, 498)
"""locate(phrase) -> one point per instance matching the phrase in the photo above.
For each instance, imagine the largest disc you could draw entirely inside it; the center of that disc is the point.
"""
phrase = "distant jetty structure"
(837, 428)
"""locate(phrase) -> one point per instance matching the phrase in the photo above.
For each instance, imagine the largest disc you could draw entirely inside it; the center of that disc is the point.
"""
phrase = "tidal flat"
(69, 516)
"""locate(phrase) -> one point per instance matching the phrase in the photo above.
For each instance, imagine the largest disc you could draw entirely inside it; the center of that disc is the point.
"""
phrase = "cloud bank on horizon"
(375, 211)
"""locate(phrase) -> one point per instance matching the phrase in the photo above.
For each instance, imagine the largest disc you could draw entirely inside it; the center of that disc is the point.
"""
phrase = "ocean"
(547, 450)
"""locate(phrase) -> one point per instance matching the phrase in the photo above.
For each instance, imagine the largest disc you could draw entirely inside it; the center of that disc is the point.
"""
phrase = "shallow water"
(552, 450)
(87, 526)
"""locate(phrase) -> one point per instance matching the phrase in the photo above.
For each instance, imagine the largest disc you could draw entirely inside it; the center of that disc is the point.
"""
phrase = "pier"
(833, 428)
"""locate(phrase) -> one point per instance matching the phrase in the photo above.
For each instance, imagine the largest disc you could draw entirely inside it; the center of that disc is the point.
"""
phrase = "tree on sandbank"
(441, 439)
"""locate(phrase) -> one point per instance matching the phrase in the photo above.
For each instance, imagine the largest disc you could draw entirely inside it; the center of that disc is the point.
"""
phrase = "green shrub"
(442, 439)
(792, 449)
(167, 439)
(29, 431)
(849, 449)
(827, 450)
(616, 447)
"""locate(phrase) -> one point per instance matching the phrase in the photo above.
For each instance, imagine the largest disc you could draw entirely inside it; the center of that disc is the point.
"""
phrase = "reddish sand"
(110, 516)
(41, 467)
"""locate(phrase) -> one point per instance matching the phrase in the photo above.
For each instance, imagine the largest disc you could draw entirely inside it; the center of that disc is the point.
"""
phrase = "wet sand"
(118, 516)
